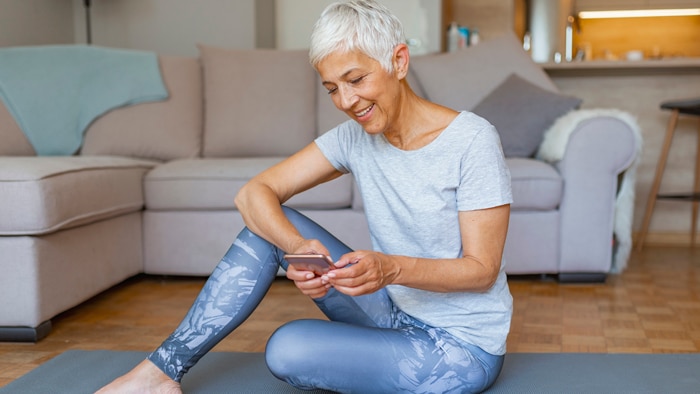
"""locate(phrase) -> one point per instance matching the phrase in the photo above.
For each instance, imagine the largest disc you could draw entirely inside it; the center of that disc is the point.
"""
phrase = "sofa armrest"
(598, 150)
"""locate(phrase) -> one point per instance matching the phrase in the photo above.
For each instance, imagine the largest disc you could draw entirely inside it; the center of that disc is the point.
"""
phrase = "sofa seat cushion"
(537, 186)
(40, 195)
(212, 183)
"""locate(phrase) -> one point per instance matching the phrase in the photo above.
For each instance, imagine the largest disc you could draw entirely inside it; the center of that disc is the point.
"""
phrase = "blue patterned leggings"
(368, 346)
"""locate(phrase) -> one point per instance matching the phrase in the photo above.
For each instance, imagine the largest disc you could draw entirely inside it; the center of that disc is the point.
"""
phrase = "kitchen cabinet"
(490, 17)
(606, 5)
(659, 4)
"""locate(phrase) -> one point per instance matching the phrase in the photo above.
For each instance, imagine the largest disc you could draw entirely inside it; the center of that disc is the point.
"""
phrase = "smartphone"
(317, 263)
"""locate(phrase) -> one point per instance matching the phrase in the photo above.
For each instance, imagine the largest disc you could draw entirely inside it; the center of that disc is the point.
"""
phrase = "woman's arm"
(483, 238)
(259, 201)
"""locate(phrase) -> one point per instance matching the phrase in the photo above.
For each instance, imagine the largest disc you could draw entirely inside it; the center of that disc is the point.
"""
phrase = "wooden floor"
(653, 307)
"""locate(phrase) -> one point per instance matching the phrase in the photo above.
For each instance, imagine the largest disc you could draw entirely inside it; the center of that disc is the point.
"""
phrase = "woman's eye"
(357, 80)
(331, 91)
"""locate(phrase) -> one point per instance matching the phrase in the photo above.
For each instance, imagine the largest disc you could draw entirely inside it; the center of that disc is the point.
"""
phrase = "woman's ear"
(401, 59)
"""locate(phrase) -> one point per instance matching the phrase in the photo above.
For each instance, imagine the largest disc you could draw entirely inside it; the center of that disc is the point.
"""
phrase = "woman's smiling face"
(360, 87)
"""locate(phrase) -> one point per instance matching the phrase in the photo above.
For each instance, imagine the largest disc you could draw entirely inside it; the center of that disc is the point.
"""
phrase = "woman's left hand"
(362, 272)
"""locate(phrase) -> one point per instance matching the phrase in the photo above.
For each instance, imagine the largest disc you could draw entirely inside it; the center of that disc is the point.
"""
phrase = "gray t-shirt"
(411, 200)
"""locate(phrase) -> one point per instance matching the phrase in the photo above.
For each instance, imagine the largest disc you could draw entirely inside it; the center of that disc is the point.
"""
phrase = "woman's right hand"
(307, 281)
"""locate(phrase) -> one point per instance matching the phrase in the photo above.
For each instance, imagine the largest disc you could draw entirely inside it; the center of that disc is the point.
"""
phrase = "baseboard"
(25, 334)
(581, 277)
(672, 239)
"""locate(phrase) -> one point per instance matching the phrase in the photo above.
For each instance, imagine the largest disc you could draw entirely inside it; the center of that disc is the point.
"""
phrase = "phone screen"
(317, 263)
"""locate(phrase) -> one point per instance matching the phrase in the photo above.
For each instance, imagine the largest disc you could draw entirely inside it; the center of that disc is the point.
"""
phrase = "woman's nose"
(348, 98)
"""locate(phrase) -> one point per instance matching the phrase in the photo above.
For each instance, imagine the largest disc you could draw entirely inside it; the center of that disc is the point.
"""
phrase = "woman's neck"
(418, 122)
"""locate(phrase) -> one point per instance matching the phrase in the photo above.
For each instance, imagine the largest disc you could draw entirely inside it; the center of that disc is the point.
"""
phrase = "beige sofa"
(151, 190)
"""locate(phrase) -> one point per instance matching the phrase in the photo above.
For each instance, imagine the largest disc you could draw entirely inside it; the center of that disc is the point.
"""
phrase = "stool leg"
(696, 191)
(660, 167)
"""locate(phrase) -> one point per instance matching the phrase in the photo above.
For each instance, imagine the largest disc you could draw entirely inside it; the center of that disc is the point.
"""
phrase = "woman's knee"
(288, 352)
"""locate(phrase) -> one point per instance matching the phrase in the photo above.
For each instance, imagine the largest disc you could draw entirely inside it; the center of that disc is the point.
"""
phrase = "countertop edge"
(613, 68)
(623, 64)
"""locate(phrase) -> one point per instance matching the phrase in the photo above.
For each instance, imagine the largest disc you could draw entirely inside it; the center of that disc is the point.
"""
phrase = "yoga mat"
(79, 371)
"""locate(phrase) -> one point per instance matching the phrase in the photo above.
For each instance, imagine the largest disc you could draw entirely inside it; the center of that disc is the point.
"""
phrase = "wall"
(40, 22)
(172, 27)
(421, 20)
(166, 26)
(265, 29)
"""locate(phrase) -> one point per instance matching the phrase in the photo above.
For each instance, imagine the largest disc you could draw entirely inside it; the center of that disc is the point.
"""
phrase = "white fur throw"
(553, 147)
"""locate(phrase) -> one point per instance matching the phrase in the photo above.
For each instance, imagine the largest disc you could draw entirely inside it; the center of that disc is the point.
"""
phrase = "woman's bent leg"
(348, 358)
(231, 294)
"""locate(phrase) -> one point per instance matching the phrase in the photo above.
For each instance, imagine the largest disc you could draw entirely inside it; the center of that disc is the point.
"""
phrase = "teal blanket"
(55, 92)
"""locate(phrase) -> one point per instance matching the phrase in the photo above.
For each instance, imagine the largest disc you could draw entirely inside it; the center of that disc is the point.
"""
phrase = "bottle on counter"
(453, 37)
(527, 41)
(474, 37)
(463, 37)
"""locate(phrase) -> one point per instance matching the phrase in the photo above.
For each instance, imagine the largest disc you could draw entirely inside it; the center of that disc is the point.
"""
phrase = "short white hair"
(362, 25)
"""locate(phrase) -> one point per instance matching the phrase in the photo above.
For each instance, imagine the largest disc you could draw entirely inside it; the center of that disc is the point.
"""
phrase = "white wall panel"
(172, 27)
(35, 22)
(421, 20)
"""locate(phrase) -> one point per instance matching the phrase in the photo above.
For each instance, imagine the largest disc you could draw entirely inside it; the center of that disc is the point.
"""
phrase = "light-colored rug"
(79, 371)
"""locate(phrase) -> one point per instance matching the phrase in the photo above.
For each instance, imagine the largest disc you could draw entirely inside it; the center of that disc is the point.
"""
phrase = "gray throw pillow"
(522, 112)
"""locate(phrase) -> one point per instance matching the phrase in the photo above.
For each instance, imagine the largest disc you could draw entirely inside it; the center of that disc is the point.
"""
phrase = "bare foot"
(144, 378)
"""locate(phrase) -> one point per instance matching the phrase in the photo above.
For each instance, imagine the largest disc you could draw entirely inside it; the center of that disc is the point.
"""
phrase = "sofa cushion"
(522, 112)
(537, 186)
(461, 79)
(164, 130)
(258, 102)
(208, 184)
(14, 142)
(40, 195)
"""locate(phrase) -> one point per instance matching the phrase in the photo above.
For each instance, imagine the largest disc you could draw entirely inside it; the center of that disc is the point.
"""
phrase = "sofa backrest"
(13, 142)
(461, 79)
(163, 130)
(258, 102)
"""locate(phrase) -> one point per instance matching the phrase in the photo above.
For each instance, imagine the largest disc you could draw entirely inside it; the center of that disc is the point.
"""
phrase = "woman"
(429, 309)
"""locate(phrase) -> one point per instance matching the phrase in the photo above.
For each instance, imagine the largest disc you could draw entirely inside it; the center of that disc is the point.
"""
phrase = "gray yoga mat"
(79, 371)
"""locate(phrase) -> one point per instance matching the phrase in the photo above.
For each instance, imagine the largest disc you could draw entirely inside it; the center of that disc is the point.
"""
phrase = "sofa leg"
(25, 334)
(582, 277)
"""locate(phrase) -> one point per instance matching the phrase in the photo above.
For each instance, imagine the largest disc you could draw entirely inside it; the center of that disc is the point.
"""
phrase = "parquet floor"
(653, 307)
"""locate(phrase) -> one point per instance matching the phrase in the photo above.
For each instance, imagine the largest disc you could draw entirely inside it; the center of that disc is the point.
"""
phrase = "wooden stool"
(687, 107)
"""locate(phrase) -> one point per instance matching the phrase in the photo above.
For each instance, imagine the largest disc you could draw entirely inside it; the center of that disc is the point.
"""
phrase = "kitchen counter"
(681, 65)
